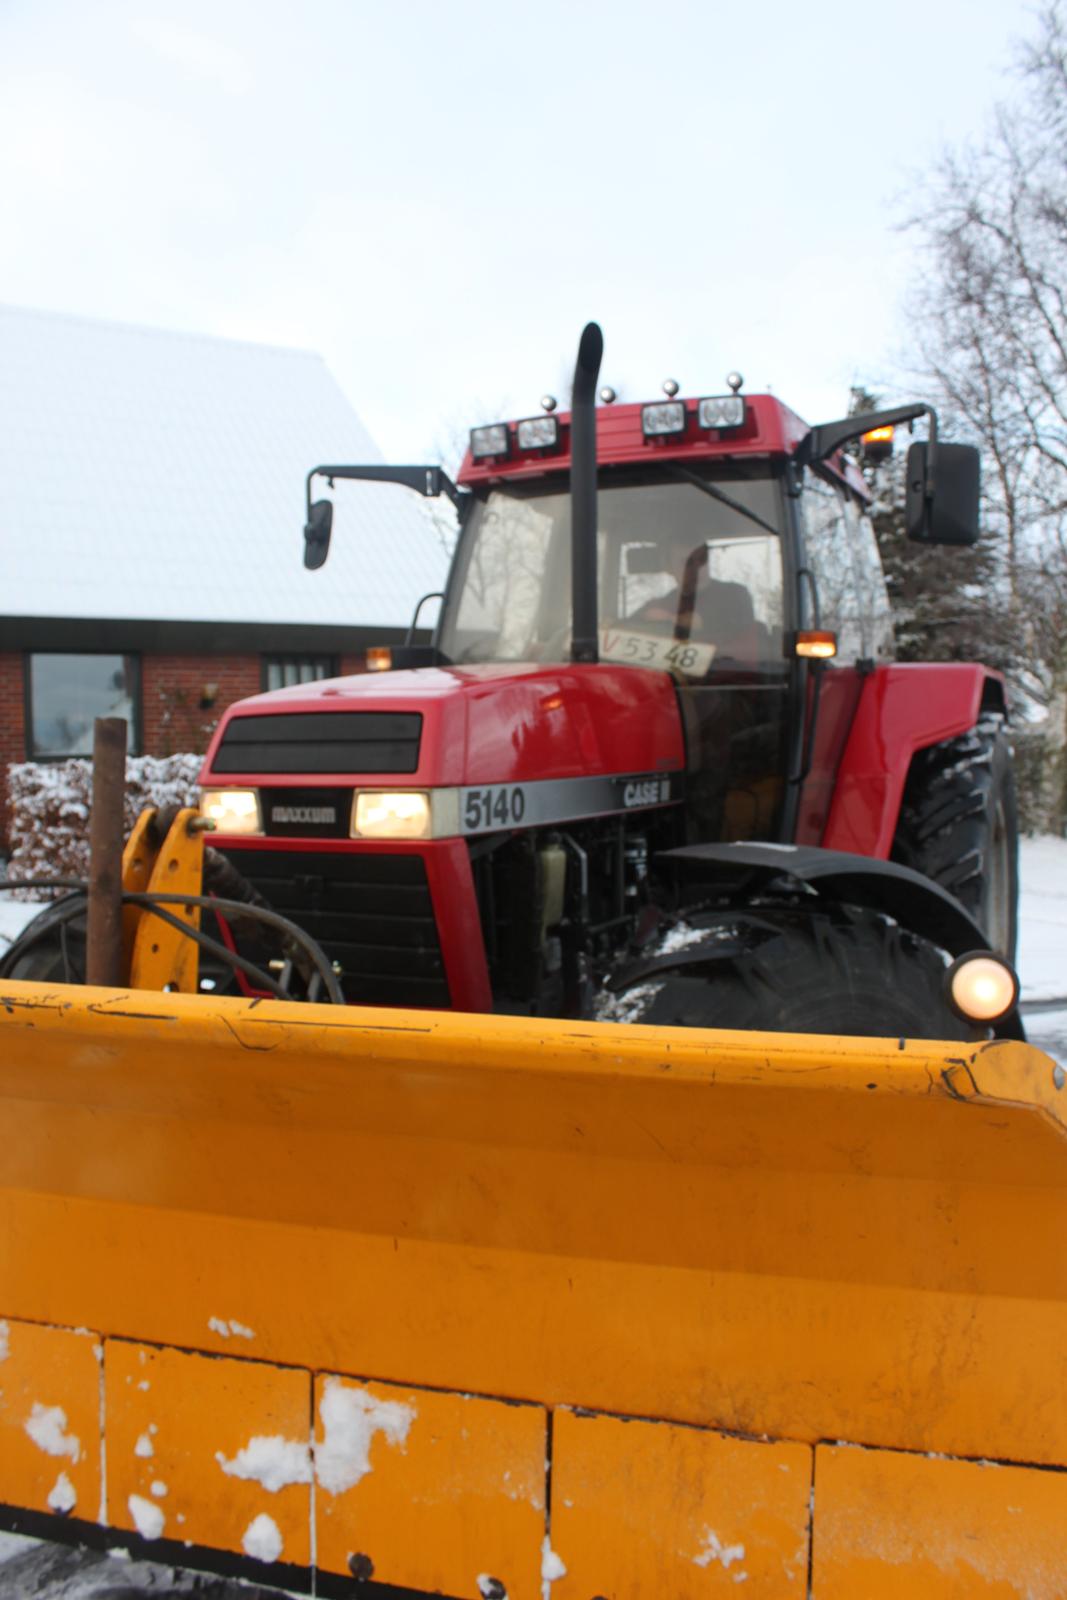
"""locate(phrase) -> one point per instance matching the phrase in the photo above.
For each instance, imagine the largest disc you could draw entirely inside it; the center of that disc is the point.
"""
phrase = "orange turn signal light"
(817, 644)
(379, 658)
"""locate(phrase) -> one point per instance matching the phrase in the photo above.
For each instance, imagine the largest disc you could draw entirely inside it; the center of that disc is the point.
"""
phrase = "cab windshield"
(687, 583)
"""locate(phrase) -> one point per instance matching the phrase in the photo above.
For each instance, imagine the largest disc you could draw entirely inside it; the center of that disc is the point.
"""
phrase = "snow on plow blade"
(490, 1307)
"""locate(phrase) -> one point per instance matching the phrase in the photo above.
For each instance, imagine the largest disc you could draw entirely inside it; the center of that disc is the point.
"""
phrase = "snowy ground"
(1042, 957)
(14, 914)
(52, 1573)
(30, 1570)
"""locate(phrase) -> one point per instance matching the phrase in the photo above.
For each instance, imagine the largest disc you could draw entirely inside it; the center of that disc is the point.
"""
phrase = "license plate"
(653, 650)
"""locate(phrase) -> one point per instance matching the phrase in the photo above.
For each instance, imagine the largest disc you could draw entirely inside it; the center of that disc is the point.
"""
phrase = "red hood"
(496, 723)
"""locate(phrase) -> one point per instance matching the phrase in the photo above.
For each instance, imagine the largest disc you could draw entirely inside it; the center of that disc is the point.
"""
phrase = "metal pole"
(103, 955)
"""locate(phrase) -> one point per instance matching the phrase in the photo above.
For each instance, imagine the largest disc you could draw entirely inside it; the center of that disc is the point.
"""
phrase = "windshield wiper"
(716, 493)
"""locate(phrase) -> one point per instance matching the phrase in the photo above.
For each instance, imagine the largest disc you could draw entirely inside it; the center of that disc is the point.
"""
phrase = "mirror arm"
(821, 441)
(427, 481)
(931, 456)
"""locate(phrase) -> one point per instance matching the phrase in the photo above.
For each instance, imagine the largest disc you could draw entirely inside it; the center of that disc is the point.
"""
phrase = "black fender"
(910, 898)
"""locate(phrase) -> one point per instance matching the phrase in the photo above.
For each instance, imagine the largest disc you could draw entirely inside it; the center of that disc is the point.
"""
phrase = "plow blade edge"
(441, 1302)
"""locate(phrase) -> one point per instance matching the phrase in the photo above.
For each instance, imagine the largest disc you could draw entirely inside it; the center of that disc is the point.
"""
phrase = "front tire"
(849, 972)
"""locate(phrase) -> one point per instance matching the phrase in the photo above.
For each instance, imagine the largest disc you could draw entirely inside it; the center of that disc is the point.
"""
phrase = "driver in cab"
(696, 606)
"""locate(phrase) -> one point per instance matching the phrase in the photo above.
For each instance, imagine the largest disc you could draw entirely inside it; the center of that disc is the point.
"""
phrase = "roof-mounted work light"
(721, 411)
(489, 441)
(537, 433)
(664, 418)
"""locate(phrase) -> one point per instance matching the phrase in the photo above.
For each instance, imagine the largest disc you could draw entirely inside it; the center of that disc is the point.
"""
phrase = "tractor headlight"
(232, 810)
(982, 987)
(378, 814)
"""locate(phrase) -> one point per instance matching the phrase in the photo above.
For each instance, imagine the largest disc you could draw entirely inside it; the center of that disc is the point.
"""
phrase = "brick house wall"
(12, 723)
(173, 715)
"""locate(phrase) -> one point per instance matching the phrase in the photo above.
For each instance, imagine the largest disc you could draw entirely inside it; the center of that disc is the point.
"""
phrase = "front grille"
(372, 913)
(321, 741)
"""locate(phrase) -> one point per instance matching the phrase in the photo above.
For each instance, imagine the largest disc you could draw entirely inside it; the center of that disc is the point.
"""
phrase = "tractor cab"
(690, 582)
(718, 540)
(686, 583)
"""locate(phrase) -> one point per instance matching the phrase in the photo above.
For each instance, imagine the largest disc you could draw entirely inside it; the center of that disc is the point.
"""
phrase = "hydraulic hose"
(66, 910)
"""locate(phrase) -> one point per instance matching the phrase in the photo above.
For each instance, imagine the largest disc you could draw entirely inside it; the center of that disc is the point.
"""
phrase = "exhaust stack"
(583, 496)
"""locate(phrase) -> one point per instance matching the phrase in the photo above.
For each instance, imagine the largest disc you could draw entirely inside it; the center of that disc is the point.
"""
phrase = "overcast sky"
(436, 196)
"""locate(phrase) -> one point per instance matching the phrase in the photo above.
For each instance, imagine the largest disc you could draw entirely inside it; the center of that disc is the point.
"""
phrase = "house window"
(66, 693)
(281, 672)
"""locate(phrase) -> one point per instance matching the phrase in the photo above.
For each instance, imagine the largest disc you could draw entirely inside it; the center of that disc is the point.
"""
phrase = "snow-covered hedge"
(49, 808)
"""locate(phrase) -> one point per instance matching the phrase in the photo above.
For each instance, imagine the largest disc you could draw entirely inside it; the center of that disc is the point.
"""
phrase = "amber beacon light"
(877, 444)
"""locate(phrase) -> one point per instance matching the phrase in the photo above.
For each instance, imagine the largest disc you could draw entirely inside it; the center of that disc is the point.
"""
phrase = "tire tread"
(947, 813)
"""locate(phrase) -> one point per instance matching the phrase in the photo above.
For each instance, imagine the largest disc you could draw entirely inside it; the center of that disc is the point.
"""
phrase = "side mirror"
(950, 514)
(317, 533)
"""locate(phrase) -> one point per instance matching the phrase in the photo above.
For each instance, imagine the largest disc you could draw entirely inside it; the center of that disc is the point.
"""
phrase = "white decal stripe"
(498, 807)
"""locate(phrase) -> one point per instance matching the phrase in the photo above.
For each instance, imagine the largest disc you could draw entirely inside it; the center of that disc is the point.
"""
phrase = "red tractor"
(657, 763)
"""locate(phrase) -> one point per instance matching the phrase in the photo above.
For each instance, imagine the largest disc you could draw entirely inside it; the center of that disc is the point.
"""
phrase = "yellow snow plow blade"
(485, 1306)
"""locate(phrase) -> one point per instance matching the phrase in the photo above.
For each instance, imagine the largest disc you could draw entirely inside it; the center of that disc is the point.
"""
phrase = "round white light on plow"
(982, 987)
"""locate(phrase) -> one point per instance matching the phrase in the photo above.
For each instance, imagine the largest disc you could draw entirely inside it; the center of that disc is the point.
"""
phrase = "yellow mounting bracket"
(157, 955)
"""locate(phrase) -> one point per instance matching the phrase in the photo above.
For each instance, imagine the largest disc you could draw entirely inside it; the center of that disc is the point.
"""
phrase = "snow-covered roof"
(161, 475)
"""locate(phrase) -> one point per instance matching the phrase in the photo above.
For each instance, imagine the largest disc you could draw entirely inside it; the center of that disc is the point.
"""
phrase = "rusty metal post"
(103, 954)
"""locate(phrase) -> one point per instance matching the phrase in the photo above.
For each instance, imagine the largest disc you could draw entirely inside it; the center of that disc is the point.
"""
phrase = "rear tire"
(959, 825)
(849, 971)
(51, 947)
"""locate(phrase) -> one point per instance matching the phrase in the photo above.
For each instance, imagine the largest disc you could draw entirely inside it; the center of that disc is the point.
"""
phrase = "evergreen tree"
(948, 604)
